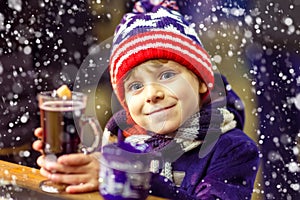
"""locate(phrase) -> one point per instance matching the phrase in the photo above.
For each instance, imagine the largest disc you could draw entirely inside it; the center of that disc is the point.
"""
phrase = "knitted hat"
(156, 30)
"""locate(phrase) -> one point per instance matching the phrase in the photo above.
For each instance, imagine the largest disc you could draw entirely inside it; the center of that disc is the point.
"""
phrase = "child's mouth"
(160, 110)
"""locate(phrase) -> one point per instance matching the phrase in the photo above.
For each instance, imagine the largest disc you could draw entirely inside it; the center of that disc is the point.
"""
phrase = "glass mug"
(63, 121)
(125, 175)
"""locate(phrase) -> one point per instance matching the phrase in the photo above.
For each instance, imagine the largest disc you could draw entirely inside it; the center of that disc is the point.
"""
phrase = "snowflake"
(15, 4)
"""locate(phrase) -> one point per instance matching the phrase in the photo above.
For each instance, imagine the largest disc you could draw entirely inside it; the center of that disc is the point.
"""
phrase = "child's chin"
(164, 130)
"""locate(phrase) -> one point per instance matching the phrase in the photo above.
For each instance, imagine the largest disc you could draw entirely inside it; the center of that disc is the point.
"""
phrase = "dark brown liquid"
(60, 123)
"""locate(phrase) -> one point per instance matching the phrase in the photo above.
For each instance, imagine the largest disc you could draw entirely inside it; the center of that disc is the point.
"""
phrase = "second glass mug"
(63, 122)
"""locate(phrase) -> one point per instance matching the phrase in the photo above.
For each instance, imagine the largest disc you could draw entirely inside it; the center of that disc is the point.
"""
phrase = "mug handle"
(94, 124)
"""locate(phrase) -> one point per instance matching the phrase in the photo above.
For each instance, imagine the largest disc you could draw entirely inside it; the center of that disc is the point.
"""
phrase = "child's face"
(162, 95)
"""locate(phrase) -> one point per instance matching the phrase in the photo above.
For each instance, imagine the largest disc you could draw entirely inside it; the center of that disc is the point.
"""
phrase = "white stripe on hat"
(131, 47)
(158, 45)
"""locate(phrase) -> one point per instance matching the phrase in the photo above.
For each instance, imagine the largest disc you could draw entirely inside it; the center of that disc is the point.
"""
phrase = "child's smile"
(161, 113)
(161, 110)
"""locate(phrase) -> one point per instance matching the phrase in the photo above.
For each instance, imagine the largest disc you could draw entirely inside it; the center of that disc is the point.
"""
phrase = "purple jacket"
(227, 172)
(223, 167)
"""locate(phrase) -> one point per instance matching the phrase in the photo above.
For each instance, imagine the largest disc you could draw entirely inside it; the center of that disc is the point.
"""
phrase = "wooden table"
(30, 178)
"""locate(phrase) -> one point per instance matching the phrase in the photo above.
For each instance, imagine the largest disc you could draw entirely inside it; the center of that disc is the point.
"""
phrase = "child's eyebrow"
(153, 64)
(130, 75)
(127, 77)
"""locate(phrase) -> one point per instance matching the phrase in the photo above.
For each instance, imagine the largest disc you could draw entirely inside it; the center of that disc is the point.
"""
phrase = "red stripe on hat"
(150, 34)
(173, 40)
(140, 43)
(160, 50)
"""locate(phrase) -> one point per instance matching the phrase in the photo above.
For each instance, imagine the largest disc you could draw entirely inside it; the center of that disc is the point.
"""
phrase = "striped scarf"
(206, 125)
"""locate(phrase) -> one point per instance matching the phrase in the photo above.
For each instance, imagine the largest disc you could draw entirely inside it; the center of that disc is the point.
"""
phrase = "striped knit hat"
(156, 30)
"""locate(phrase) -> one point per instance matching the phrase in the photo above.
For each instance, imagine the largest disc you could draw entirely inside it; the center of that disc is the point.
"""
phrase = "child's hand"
(79, 171)
(38, 144)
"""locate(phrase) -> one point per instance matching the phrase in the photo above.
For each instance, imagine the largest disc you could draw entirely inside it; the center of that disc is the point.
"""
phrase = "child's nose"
(154, 93)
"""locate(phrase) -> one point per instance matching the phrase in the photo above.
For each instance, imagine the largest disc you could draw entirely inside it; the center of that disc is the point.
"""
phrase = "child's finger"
(41, 161)
(38, 132)
(65, 169)
(75, 159)
(86, 187)
(74, 179)
(38, 146)
(45, 173)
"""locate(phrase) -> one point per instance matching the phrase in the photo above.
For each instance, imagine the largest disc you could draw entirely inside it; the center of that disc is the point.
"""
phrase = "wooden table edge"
(30, 178)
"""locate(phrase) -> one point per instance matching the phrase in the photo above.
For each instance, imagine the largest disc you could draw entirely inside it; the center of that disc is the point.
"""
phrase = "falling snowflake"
(15, 4)
(297, 101)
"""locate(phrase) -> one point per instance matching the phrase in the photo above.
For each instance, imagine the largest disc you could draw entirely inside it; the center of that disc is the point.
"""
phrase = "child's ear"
(202, 88)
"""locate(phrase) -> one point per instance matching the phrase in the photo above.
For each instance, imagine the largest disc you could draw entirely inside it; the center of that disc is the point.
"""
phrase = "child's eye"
(135, 86)
(167, 75)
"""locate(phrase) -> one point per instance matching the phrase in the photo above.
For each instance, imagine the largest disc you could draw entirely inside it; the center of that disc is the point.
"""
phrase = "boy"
(164, 80)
